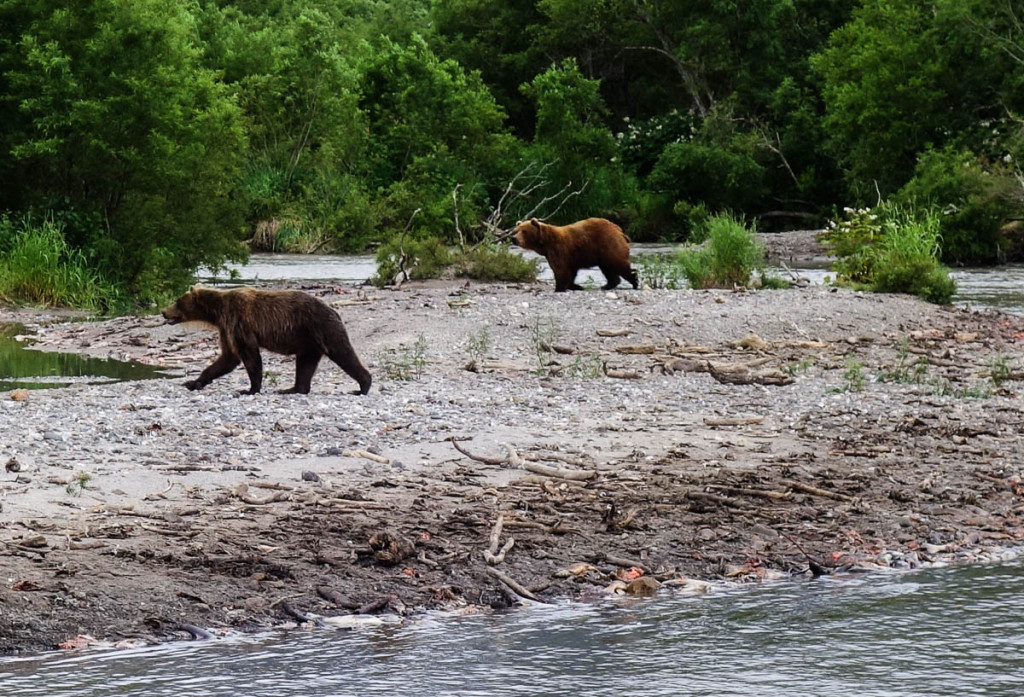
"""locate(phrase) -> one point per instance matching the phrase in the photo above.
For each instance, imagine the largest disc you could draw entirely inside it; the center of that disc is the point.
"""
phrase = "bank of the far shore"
(661, 435)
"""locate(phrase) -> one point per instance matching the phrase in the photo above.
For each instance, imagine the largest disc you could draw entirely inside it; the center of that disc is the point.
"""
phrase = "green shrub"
(774, 282)
(405, 362)
(423, 258)
(487, 262)
(852, 241)
(659, 271)
(431, 258)
(715, 164)
(730, 257)
(893, 249)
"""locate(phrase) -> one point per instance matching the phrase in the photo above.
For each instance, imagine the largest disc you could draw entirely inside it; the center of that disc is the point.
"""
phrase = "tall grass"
(37, 266)
(892, 249)
(731, 255)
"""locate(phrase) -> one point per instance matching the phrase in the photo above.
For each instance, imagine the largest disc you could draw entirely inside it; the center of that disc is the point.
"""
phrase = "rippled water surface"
(955, 631)
(1000, 287)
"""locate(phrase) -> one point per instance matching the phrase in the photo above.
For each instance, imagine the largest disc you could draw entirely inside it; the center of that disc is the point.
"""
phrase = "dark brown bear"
(287, 321)
(588, 243)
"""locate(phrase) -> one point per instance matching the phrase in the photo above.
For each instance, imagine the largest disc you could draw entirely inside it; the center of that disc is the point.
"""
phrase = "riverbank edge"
(86, 644)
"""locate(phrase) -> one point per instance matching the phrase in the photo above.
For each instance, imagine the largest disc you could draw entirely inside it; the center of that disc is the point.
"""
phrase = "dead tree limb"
(403, 273)
(527, 183)
(478, 458)
(808, 489)
(492, 555)
(512, 585)
(559, 472)
(455, 213)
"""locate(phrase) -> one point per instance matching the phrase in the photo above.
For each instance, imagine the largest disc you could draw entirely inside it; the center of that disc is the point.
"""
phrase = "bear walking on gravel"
(588, 243)
(287, 321)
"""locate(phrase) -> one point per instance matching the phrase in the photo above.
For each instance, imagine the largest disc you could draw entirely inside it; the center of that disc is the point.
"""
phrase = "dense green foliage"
(157, 137)
(892, 249)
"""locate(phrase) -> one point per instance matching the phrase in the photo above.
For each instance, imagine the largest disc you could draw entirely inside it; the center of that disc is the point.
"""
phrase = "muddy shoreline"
(690, 436)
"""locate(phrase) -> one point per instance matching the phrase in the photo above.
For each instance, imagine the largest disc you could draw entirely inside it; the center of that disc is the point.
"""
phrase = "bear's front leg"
(565, 278)
(224, 364)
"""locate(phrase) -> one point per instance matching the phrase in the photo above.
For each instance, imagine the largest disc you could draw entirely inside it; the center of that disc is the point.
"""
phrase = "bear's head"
(193, 306)
(531, 234)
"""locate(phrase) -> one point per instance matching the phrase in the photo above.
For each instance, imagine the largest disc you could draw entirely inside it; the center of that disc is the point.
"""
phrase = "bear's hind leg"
(339, 349)
(305, 366)
(630, 275)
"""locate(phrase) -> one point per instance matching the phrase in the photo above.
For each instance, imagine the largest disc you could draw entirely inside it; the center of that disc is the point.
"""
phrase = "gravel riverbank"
(688, 435)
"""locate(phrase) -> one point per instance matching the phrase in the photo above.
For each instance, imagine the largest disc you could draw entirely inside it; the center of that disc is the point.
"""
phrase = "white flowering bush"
(890, 249)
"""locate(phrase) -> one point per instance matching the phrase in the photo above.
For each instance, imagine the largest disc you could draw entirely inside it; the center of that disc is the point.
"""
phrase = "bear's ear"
(535, 223)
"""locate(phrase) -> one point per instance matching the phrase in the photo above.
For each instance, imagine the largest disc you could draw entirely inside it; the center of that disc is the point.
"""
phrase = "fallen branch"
(493, 555)
(277, 486)
(621, 373)
(478, 458)
(242, 492)
(475, 366)
(622, 561)
(738, 491)
(671, 365)
(353, 505)
(513, 585)
(714, 498)
(555, 457)
(559, 472)
(556, 348)
(366, 454)
(513, 456)
(636, 349)
(741, 374)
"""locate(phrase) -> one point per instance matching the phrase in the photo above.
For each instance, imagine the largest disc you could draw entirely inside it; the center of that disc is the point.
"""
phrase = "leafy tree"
(883, 75)
(570, 135)
(114, 122)
(498, 39)
(432, 125)
(709, 51)
(718, 167)
(975, 201)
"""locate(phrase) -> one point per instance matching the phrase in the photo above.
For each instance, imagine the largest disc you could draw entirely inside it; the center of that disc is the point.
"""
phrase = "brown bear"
(287, 321)
(591, 242)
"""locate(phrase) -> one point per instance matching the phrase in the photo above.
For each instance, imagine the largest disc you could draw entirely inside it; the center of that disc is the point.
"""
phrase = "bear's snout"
(171, 314)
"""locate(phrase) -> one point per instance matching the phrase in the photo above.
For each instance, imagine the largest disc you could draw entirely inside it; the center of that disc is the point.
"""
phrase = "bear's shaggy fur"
(591, 242)
(287, 321)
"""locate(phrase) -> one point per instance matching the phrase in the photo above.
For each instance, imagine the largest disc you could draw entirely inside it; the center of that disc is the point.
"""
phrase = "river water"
(955, 631)
(1000, 287)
